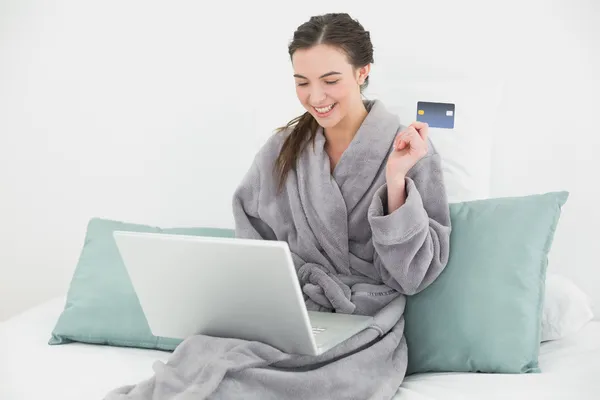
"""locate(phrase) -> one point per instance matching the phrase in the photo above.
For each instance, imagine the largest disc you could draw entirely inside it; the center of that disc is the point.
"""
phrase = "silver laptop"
(228, 287)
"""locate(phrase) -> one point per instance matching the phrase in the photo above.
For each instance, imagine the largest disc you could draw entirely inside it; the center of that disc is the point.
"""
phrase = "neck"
(340, 136)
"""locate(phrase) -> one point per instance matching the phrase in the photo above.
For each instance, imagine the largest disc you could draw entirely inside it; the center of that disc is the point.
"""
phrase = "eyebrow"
(322, 76)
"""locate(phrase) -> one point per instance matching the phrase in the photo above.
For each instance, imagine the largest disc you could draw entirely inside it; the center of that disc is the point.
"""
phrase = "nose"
(317, 96)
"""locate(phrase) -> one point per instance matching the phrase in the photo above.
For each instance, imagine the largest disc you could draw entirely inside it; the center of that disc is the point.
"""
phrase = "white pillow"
(566, 308)
(466, 150)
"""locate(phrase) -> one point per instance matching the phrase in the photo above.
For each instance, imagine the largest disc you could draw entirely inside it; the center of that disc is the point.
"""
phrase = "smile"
(325, 110)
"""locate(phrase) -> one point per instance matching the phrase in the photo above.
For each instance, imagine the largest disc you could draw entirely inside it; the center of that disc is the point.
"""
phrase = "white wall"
(551, 133)
(151, 112)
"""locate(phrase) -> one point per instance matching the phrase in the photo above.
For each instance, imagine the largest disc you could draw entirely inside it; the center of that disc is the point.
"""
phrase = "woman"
(361, 202)
(359, 199)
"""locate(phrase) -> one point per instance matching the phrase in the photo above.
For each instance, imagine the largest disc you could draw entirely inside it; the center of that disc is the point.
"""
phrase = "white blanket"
(79, 371)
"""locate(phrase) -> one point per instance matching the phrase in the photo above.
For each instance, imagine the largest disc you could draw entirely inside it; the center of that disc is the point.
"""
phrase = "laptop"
(228, 287)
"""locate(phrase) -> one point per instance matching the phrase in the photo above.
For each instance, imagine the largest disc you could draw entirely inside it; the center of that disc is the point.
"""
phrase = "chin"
(326, 123)
(330, 121)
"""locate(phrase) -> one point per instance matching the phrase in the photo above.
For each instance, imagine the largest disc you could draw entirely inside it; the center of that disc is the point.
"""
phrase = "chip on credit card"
(436, 115)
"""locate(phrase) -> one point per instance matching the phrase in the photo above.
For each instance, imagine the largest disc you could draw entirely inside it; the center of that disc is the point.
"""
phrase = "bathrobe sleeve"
(248, 224)
(412, 243)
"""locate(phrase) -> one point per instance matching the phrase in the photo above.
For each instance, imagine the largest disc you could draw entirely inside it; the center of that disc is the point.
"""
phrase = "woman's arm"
(412, 240)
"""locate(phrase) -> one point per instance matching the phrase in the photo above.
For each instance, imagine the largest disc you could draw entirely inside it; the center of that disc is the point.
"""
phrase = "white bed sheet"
(31, 369)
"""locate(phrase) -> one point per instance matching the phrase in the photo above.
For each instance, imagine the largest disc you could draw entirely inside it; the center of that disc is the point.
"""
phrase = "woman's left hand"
(409, 147)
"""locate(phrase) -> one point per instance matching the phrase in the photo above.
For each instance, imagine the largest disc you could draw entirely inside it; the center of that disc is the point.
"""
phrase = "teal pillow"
(483, 313)
(101, 305)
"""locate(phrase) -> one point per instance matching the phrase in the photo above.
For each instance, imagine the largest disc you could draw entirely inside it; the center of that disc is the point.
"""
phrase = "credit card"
(436, 115)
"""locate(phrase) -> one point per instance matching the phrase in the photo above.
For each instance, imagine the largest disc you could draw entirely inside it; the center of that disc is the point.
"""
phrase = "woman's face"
(327, 85)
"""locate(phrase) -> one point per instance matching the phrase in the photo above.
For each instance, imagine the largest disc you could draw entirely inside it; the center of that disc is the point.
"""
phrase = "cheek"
(302, 94)
(339, 92)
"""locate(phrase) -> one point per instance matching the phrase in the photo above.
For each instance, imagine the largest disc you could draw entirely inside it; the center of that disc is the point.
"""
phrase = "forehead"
(318, 60)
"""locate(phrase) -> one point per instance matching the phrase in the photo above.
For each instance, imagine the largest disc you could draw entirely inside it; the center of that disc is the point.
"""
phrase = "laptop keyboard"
(316, 330)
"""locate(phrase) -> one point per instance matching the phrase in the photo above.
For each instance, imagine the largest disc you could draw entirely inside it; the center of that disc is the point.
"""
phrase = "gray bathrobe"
(351, 255)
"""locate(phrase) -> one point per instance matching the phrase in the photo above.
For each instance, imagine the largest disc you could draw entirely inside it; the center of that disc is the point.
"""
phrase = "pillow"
(483, 313)
(101, 305)
(566, 308)
(465, 150)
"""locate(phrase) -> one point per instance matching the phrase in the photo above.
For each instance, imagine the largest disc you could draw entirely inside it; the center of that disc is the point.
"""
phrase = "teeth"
(324, 110)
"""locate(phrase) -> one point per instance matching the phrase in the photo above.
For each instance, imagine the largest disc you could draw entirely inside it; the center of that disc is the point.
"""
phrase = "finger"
(406, 132)
(403, 138)
(398, 143)
(408, 136)
(411, 131)
(416, 142)
(422, 128)
(401, 144)
(418, 125)
(417, 145)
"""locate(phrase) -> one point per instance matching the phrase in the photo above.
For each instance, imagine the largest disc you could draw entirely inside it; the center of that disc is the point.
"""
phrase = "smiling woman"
(365, 216)
(331, 56)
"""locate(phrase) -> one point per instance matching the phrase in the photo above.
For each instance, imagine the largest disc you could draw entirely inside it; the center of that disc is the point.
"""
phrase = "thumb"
(401, 144)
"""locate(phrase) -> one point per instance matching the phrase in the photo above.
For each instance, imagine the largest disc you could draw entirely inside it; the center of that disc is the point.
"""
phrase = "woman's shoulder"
(270, 149)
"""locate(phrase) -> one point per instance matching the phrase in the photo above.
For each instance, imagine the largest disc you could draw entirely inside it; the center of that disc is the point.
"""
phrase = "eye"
(331, 82)
(302, 84)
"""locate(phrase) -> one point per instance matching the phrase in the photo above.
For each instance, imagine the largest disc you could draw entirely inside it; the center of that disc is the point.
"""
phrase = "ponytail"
(305, 130)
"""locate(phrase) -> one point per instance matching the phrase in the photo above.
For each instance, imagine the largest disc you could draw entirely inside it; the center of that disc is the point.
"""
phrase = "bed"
(31, 369)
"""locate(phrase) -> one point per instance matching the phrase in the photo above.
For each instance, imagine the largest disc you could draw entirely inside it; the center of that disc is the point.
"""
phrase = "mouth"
(324, 111)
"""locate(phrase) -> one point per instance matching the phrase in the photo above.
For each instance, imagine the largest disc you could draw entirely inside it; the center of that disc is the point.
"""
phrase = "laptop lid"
(223, 287)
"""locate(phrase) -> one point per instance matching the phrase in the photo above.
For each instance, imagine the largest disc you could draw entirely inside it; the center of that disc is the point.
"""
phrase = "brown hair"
(338, 30)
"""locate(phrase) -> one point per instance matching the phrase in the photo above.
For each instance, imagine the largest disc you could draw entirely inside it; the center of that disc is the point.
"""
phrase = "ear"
(363, 73)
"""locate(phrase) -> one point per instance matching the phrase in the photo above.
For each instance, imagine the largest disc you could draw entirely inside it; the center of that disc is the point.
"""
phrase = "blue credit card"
(436, 115)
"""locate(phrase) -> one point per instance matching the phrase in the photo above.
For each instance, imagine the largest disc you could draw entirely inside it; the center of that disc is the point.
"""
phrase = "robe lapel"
(324, 206)
(360, 164)
(329, 198)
